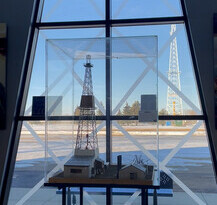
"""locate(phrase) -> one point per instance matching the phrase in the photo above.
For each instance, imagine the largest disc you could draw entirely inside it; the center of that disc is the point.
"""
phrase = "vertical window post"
(108, 82)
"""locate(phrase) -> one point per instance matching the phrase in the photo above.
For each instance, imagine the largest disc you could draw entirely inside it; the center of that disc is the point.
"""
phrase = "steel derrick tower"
(86, 142)
(174, 102)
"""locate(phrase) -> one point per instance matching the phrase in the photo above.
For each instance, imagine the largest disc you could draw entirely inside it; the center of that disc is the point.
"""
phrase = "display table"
(62, 183)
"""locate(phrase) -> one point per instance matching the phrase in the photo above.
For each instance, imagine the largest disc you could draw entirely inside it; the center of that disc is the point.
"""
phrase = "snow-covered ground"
(61, 136)
(191, 164)
(192, 161)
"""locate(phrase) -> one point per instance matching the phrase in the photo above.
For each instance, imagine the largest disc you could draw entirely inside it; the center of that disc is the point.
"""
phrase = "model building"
(133, 171)
(85, 163)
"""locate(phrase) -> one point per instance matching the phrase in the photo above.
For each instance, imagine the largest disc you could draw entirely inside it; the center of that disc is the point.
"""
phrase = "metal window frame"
(108, 23)
(112, 117)
(20, 103)
(200, 89)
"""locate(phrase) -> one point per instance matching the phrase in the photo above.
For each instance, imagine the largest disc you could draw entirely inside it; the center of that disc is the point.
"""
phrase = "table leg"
(81, 195)
(64, 196)
(69, 196)
(144, 198)
(108, 196)
(155, 197)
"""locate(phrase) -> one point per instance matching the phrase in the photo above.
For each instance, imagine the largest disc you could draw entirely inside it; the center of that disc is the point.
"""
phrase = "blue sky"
(87, 12)
(94, 9)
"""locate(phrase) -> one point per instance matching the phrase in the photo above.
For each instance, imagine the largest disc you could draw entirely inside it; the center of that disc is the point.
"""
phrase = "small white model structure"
(133, 171)
(79, 167)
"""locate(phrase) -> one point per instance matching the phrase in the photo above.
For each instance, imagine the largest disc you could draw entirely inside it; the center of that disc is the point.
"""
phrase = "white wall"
(200, 15)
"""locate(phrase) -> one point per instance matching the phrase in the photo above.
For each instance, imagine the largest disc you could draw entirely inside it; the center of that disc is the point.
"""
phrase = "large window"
(183, 141)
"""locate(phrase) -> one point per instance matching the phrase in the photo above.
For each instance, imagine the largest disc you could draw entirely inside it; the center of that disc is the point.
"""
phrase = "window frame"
(108, 23)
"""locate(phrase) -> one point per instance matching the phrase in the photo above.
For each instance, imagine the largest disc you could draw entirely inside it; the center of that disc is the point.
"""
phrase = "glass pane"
(77, 10)
(37, 85)
(28, 177)
(127, 89)
(122, 195)
(86, 59)
(191, 161)
(136, 143)
(173, 47)
(144, 133)
(82, 74)
(184, 151)
(94, 195)
(136, 80)
(126, 9)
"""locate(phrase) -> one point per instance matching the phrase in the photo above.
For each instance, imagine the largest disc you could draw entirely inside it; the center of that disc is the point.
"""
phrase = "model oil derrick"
(86, 142)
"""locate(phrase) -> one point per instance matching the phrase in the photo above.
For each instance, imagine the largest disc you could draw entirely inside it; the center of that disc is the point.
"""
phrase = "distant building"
(133, 172)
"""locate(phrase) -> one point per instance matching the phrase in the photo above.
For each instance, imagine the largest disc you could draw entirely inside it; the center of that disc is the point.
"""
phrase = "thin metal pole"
(64, 196)
(81, 195)
(108, 196)
(155, 197)
(69, 196)
(144, 197)
(108, 83)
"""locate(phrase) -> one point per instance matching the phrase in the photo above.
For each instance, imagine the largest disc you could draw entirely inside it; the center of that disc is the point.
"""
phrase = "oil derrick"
(174, 102)
(86, 142)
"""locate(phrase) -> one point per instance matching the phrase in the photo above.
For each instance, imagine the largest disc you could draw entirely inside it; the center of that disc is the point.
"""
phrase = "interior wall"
(17, 16)
(200, 16)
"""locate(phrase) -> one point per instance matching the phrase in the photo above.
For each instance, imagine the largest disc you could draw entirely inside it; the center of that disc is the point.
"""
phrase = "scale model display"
(85, 163)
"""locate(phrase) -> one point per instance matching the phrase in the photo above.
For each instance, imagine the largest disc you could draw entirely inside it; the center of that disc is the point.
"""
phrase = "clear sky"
(124, 74)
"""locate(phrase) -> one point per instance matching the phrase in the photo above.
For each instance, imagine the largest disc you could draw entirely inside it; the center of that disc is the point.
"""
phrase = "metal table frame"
(144, 191)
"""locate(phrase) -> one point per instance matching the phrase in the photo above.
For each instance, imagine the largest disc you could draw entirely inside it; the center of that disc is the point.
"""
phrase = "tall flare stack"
(174, 102)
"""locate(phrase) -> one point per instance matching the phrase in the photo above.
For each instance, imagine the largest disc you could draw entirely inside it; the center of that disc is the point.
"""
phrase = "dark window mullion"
(110, 23)
(108, 83)
(113, 117)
